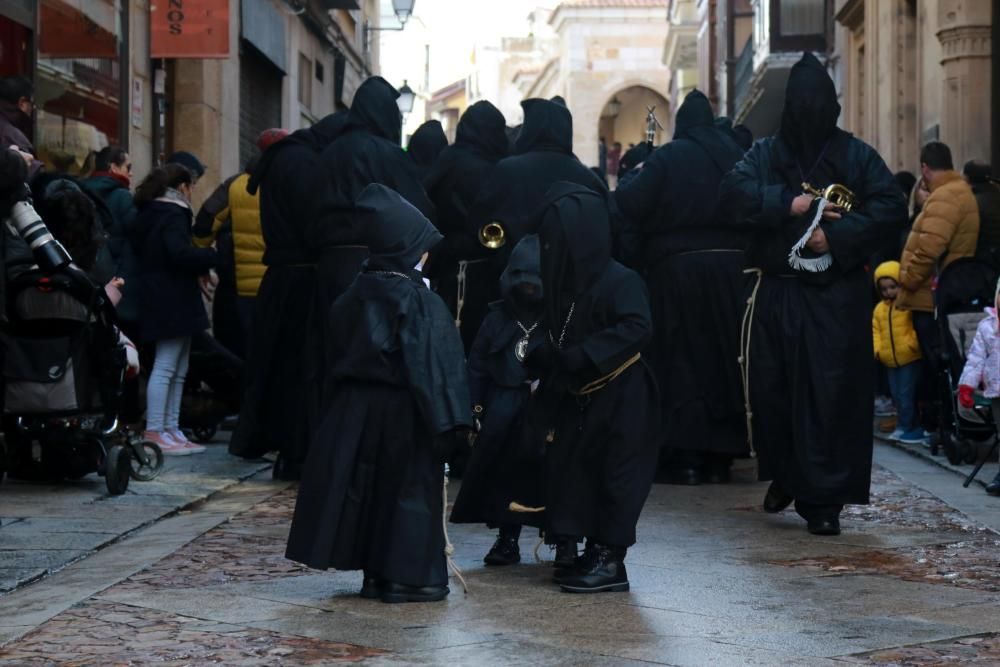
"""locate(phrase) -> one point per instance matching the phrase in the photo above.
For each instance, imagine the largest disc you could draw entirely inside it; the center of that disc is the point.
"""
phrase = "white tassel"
(815, 264)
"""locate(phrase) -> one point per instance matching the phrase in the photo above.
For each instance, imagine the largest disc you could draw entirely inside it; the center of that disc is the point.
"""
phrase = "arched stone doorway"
(623, 118)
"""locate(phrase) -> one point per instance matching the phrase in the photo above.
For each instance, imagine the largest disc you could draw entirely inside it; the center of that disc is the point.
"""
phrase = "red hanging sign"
(189, 28)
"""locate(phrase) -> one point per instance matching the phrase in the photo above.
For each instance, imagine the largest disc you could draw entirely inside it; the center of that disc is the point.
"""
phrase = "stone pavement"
(715, 581)
(45, 527)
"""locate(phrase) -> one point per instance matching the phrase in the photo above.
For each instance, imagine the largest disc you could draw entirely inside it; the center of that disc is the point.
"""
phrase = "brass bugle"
(492, 235)
(837, 194)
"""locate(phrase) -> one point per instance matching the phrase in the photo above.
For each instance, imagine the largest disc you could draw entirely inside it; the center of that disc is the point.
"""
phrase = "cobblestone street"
(912, 581)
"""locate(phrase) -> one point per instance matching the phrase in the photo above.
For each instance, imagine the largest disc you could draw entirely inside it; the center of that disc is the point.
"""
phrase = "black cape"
(811, 380)
(274, 414)
(507, 462)
(457, 178)
(371, 493)
(426, 145)
(693, 262)
(603, 450)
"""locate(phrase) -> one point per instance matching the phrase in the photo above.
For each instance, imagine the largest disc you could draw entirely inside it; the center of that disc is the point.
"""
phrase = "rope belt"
(449, 548)
(746, 333)
(602, 382)
(461, 279)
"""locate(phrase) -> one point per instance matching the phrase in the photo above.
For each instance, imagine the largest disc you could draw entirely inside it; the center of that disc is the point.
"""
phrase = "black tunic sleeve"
(479, 374)
(748, 197)
(624, 308)
(881, 209)
(434, 360)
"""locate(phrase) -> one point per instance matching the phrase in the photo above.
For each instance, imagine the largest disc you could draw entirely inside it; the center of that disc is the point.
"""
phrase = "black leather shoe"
(993, 488)
(371, 587)
(606, 573)
(717, 474)
(683, 476)
(824, 526)
(565, 553)
(393, 593)
(505, 551)
(776, 500)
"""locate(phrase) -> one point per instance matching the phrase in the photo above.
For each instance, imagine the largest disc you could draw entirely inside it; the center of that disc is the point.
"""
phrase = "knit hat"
(189, 160)
(269, 137)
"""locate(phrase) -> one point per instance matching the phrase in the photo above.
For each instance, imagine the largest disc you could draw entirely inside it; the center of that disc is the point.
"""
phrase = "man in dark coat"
(16, 105)
(459, 265)
(274, 414)
(693, 263)
(810, 347)
(426, 145)
(371, 496)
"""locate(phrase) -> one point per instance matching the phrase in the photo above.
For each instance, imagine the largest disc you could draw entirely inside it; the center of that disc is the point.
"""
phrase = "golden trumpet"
(837, 194)
(492, 235)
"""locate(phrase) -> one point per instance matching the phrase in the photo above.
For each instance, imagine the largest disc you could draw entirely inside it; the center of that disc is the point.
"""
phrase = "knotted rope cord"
(746, 332)
(602, 382)
(460, 292)
(449, 548)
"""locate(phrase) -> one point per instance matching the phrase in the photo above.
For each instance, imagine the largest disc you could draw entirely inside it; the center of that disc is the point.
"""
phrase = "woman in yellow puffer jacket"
(897, 348)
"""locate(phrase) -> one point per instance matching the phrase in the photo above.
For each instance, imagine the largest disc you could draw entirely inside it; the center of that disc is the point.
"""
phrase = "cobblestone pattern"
(101, 633)
(978, 650)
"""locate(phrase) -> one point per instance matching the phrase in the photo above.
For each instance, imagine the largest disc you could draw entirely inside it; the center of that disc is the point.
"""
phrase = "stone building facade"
(290, 62)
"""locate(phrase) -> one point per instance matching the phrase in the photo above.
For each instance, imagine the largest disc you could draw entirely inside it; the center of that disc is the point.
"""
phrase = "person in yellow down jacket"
(897, 348)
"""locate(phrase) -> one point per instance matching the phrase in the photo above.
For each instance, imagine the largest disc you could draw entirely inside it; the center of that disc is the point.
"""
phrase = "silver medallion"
(521, 349)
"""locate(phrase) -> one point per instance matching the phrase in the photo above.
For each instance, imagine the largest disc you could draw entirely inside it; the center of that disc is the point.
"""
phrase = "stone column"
(966, 46)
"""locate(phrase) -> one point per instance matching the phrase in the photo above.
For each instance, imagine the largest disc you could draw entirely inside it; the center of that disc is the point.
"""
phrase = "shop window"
(78, 82)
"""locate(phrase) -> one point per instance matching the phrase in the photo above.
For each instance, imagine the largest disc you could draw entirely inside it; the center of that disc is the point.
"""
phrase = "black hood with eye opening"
(483, 129)
(374, 109)
(396, 232)
(427, 143)
(809, 117)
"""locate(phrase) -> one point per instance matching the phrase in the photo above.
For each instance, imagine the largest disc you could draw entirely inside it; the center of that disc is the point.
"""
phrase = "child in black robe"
(372, 488)
(600, 397)
(505, 465)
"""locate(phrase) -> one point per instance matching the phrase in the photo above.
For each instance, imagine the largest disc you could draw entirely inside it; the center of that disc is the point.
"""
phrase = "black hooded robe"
(273, 415)
(506, 463)
(426, 145)
(543, 156)
(458, 176)
(693, 263)
(602, 447)
(371, 492)
(810, 379)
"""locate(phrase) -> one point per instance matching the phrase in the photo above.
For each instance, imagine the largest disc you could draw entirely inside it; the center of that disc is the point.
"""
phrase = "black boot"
(565, 552)
(371, 587)
(776, 500)
(606, 573)
(505, 550)
(392, 593)
(581, 563)
(993, 488)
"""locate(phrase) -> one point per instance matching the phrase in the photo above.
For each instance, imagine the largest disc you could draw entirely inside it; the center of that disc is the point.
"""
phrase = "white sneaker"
(178, 436)
(896, 435)
(168, 445)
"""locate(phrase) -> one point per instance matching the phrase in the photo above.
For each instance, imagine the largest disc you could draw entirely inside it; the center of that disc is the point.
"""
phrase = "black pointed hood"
(374, 109)
(524, 266)
(484, 130)
(548, 126)
(427, 143)
(396, 232)
(575, 239)
(695, 111)
(317, 137)
(809, 117)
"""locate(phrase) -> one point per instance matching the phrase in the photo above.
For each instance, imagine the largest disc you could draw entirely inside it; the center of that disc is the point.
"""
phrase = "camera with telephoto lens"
(24, 221)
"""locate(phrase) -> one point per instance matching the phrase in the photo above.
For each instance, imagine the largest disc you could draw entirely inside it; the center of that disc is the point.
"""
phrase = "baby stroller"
(64, 370)
(213, 389)
(965, 288)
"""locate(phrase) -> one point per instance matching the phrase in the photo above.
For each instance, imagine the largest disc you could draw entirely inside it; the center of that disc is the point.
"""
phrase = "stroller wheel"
(117, 468)
(954, 449)
(203, 434)
(146, 461)
(970, 454)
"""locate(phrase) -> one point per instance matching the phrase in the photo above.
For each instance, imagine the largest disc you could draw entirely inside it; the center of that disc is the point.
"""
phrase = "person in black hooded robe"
(809, 363)
(365, 151)
(371, 494)
(543, 155)
(426, 145)
(693, 263)
(453, 184)
(505, 466)
(599, 402)
(273, 415)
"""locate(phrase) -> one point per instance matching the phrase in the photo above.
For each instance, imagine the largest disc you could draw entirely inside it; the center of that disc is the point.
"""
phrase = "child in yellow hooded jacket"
(897, 348)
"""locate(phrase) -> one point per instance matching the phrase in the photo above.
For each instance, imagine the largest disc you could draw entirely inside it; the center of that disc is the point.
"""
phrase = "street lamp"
(403, 10)
(613, 108)
(406, 97)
